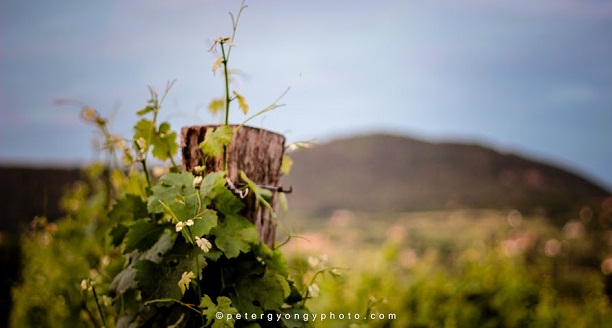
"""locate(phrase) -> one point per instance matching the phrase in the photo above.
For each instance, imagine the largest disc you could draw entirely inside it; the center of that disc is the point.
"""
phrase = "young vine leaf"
(164, 142)
(286, 165)
(210, 309)
(185, 281)
(241, 103)
(163, 139)
(151, 107)
(143, 130)
(215, 140)
(216, 105)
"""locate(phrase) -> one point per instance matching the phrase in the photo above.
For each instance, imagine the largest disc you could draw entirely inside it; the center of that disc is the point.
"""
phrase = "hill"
(393, 173)
(366, 173)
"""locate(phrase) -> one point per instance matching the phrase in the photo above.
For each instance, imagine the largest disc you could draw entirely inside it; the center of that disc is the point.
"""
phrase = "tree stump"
(255, 151)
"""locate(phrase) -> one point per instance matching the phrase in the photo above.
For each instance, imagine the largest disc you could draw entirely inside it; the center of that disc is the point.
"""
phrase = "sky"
(526, 77)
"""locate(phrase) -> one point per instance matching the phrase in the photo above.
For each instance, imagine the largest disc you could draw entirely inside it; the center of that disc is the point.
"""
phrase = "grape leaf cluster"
(158, 236)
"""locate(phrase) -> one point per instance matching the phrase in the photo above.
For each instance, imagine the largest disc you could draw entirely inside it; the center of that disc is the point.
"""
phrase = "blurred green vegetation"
(64, 261)
(470, 268)
(459, 268)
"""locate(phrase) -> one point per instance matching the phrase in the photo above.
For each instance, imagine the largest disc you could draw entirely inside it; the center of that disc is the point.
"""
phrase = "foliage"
(138, 249)
(195, 247)
(416, 270)
(168, 250)
(63, 262)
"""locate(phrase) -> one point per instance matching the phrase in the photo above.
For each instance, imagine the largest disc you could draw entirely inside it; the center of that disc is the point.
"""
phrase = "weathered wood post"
(255, 151)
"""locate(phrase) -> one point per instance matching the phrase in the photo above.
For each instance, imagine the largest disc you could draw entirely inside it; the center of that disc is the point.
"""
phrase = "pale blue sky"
(532, 77)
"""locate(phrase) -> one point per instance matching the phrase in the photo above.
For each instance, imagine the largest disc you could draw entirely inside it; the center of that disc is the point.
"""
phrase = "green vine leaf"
(258, 294)
(295, 295)
(213, 190)
(163, 140)
(142, 235)
(126, 279)
(235, 234)
(136, 184)
(227, 203)
(201, 225)
(158, 281)
(206, 221)
(214, 254)
(176, 196)
(211, 183)
(215, 140)
(273, 259)
(211, 186)
(143, 130)
(118, 233)
(148, 109)
(164, 143)
(210, 309)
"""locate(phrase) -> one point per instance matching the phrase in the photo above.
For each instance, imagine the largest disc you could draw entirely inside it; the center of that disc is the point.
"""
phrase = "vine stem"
(89, 314)
(235, 24)
(165, 300)
(195, 250)
(227, 98)
(95, 295)
(312, 281)
(172, 161)
(226, 76)
(146, 172)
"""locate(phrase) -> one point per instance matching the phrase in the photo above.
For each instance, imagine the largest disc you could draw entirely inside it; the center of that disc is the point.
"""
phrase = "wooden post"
(255, 151)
